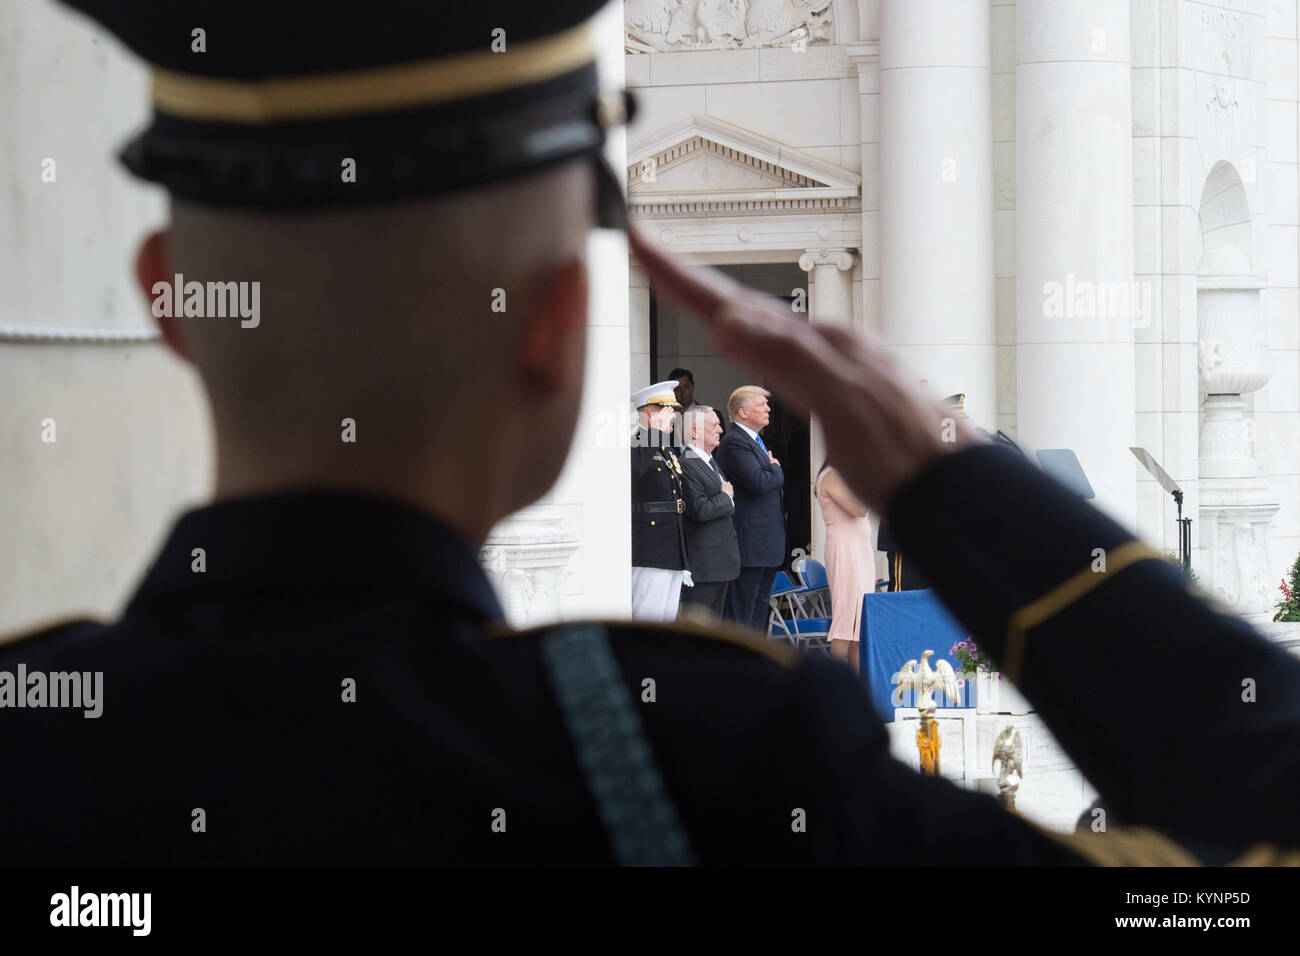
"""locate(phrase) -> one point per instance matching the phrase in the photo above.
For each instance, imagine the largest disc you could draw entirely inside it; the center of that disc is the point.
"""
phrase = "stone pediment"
(708, 164)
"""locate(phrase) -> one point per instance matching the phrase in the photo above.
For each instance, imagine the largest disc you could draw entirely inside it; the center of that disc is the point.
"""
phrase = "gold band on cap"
(377, 90)
(663, 400)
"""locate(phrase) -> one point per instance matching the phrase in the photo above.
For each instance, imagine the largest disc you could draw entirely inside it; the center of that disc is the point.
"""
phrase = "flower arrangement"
(1288, 609)
(970, 659)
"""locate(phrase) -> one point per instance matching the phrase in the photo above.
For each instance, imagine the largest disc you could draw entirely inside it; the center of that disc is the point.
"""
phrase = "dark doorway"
(788, 436)
(677, 340)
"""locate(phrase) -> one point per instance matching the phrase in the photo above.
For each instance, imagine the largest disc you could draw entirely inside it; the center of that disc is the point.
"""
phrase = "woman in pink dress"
(850, 562)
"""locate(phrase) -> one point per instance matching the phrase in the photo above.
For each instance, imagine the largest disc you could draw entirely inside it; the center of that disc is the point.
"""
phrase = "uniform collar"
(317, 541)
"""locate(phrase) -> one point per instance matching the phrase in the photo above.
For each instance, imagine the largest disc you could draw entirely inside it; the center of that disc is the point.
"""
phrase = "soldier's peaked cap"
(660, 393)
(333, 102)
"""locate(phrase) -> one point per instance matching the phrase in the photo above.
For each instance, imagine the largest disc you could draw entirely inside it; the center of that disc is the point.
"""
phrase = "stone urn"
(1236, 503)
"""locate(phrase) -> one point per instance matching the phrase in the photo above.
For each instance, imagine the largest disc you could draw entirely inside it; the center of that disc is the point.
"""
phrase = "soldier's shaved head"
(423, 321)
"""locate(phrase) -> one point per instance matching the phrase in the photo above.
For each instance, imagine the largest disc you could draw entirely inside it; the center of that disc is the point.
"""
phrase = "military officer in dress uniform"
(659, 562)
(315, 669)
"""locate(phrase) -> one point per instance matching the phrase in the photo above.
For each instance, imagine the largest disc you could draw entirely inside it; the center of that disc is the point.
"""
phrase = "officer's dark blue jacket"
(760, 496)
(658, 538)
(226, 691)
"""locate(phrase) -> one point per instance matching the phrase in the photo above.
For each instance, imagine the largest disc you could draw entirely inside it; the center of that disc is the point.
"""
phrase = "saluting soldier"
(659, 562)
(341, 608)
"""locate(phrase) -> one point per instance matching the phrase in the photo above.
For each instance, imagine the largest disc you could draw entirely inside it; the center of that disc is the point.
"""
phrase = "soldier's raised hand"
(664, 419)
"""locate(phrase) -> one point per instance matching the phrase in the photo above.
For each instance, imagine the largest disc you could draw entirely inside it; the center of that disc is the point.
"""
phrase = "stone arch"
(845, 25)
(1224, 212)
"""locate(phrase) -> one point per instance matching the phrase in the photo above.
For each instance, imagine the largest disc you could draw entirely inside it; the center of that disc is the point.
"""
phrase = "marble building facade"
(1083, 215)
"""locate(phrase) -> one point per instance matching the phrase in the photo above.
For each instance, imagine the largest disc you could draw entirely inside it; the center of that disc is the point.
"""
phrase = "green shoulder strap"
(639, 818)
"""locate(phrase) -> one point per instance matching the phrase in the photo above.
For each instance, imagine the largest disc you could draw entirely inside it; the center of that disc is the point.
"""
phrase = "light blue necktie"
(759, 438)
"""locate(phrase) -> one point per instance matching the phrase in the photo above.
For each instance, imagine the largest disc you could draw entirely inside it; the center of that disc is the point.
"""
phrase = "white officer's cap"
(660, 393)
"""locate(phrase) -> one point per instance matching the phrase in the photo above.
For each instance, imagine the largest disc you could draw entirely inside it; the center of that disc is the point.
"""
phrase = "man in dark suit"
(316, 670)
(685, 392)
(711, 545)
(760, 500)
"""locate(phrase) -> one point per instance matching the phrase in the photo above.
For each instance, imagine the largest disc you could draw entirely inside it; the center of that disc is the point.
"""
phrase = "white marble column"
(81, 516)
(1075, 297)
(831, 299)
(570, 555)
(830, 302)
(638, 304)
(936, 196)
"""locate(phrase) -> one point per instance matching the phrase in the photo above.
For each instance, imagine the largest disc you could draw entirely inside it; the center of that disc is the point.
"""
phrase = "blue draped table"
(896, 627)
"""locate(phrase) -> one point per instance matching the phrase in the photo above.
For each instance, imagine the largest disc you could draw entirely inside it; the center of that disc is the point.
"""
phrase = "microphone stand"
(1184, 534)
(1168, 484)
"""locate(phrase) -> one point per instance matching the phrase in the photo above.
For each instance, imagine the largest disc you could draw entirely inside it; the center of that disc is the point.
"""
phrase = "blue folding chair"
(816, 595)
(807, 631)
(784, 592)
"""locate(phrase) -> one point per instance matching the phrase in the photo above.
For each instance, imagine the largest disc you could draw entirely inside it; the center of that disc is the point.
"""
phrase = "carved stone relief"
(526, 557)
(659, 26)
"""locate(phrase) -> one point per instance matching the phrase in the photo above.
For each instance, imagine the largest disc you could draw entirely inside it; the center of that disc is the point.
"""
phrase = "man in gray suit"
(711, 544)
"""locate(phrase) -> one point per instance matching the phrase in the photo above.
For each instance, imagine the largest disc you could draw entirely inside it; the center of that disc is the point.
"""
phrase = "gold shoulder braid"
(712, 629)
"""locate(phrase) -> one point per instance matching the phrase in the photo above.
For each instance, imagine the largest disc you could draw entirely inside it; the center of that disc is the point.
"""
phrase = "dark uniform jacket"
(658, 539)
(711, 543)
(903, 574)
(760, 496)
(225, 690)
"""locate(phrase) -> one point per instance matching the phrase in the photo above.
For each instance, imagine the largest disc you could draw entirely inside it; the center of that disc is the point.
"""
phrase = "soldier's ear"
(153, 268)
(555, 332)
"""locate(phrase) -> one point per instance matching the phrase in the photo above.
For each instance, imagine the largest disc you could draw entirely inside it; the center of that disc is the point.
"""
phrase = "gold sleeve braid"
(1062, 596)
(1139, 846)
